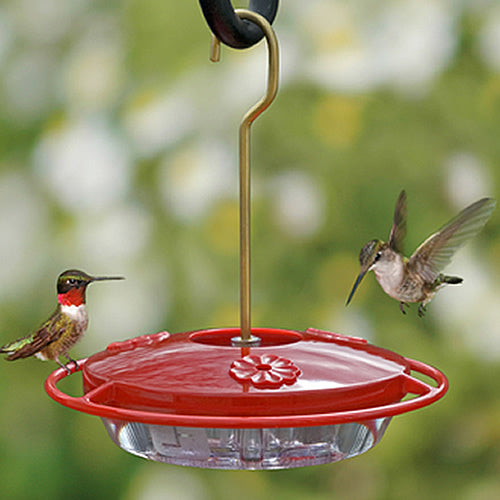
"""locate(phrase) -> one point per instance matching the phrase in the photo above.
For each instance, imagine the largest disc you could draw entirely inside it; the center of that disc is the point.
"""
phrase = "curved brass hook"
(244, 145)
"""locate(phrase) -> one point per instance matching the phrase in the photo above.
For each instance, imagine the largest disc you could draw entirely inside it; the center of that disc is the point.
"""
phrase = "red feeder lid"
(292, 379)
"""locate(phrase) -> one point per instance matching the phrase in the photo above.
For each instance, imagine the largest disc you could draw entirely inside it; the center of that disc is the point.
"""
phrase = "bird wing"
(27, 346)
(398, 230)
(436, 251)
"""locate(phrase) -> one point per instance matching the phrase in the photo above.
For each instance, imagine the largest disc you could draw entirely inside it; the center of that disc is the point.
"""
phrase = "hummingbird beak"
(105, 278)
(356, 284)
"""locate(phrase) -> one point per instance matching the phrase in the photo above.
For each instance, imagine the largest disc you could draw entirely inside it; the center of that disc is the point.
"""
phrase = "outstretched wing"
(398, 230)
(436, 252)
(31, 344)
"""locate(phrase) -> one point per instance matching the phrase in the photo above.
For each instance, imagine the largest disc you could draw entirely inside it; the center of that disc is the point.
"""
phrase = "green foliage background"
(357, 148)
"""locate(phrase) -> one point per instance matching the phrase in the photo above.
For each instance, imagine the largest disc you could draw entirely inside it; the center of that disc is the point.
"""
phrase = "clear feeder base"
(247, 449)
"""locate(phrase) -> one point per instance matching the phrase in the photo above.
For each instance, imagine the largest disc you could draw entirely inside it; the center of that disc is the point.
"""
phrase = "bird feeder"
(248, 398)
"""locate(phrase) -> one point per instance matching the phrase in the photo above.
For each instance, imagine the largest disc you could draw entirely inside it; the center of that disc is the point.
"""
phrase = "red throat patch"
(74, 297)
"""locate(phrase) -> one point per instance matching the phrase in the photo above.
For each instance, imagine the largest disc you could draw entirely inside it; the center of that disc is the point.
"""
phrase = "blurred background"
(118, 155)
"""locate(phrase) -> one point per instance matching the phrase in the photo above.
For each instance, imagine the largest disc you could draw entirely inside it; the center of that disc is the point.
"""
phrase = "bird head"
(369, 256)
(72, 284)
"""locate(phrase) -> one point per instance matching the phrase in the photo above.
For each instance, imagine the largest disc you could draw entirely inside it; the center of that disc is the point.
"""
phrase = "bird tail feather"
(12, 348)
(451, 280)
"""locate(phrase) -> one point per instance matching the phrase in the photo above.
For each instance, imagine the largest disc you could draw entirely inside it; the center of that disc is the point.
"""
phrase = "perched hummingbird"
(418, 278)
(64, 328)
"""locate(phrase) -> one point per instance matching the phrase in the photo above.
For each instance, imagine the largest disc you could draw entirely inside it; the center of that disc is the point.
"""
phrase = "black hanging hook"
(229, 28)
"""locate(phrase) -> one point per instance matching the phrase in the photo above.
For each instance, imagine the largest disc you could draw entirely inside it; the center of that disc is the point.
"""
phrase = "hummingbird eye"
(377, 256)
(71, 281)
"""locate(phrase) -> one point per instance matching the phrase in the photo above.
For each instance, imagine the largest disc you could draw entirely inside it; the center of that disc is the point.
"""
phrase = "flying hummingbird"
(66, 325)
(418, 278)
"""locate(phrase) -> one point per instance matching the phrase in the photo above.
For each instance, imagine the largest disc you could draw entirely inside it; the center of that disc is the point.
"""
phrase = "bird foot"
(421, 310)
(402, 307)
(62, 365)
(75, 362)
(67, 367)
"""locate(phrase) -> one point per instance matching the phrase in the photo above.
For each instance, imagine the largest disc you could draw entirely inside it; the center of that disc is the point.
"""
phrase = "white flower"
(298, 203)
(85, 164)
(196, 177)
